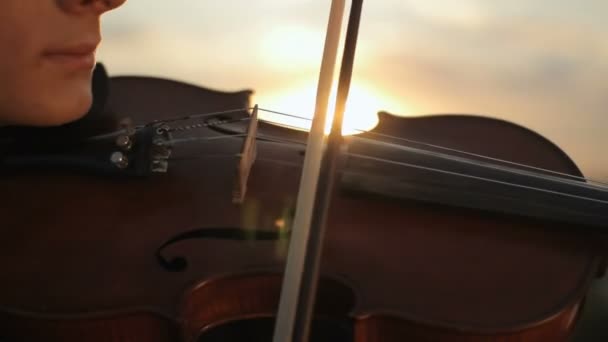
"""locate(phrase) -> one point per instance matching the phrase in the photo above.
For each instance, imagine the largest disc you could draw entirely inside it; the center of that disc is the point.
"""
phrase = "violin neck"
(400, 172)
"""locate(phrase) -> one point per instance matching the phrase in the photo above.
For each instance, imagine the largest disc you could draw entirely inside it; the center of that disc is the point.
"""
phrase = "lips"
(76, 56)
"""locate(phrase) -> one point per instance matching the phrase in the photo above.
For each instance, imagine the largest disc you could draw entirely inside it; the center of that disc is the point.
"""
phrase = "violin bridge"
(247, 157)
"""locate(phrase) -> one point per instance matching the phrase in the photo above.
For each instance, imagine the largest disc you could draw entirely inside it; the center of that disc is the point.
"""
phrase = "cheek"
(14, 58)
(32, 91)
(44, 97)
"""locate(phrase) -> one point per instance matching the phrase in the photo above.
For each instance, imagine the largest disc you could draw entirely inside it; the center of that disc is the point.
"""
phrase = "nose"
(97, 7)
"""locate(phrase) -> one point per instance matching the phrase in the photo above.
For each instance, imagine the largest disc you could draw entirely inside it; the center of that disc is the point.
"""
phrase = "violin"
(174, 223)
(170, 226)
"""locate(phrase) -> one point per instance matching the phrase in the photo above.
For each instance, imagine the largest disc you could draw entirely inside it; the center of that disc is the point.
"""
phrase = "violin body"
(80, 250)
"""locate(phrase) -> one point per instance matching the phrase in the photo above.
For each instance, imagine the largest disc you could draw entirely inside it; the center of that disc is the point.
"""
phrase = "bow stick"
(298, 291)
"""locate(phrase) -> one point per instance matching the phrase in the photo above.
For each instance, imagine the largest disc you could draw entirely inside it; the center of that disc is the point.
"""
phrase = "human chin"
(59, 103)
(69, 102)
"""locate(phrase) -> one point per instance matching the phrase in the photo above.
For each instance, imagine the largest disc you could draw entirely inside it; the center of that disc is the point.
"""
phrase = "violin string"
(591, 185)
(232, 156)
(448, 149)
(199, 156)
(211, 114)
(282, 141)
(276, 140)
(197, 139)
(443, 156)
(105, 136)
(453, 150)
(403, 164)
(267, 138)
(484, 165)
(279, 140)
(521, 165)
(574, 183)
(173, 129)
(192, 116)
(553, 192)
(562, 208)
(190, 127)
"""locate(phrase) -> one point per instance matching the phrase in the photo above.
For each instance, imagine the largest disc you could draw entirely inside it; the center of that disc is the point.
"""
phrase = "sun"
(360, 113)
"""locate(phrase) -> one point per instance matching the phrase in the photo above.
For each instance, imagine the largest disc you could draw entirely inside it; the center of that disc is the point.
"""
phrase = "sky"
(542, 64)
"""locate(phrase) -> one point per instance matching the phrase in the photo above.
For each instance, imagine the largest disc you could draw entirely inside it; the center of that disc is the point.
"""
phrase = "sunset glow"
(360, 115)
(527, 62)
(292, 47)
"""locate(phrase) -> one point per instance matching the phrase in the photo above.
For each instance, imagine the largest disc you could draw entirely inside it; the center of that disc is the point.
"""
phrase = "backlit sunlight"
(360, 115)
(291, 47)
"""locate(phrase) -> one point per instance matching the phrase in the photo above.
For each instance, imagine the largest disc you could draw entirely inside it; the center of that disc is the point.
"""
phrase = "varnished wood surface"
(391, 329)
(125, 327)
(76, 247)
